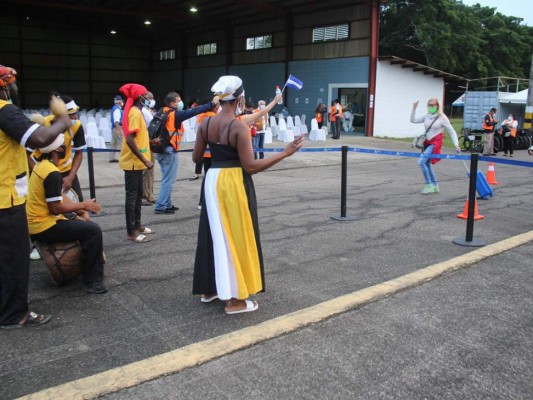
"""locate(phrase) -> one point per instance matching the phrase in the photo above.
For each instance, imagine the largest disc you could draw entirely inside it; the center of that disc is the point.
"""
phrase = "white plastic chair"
(300, 126)
(96, 142)
(303, 119)
(83, 119)
(104, 129)
(290, 125)
(316, 133)
(268, 135)
(192, 123)
(285, 135)
(190, 134)
(92, 129)
(274, 126)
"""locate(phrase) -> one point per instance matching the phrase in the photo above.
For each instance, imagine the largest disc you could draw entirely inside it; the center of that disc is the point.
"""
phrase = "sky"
(515, 8)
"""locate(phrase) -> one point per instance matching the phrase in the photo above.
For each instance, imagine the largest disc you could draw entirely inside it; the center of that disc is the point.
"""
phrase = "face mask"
(510, 118)
(262, 107)
(152, 103)
(145, 102)
(239, 109)
(73, 122)
(180, 105)
(432, 109)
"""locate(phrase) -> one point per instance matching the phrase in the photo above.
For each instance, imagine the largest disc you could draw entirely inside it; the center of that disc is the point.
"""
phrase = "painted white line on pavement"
(174, 361)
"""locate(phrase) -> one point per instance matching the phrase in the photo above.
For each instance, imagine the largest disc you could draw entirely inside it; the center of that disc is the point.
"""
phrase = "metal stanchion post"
(92, 186)
(470, 241)
(344, 180)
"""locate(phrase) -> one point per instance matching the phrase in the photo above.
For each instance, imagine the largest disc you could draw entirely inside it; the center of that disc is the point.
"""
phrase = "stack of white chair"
(291, 126)
(274, 128)
(189, 134)
(300, 125)
(83, 119)
(268, 135)
(193, 123)
(316, 133)
(284, 134)
(92, 138)
(104, 129)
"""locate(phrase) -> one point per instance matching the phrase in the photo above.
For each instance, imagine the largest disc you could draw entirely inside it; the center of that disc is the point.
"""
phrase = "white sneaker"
(34, 255)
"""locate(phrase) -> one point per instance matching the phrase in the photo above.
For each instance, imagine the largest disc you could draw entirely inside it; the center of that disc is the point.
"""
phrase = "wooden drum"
(63, 260)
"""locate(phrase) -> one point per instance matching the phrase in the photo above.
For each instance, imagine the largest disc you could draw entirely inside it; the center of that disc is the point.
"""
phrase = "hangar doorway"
(354, 97)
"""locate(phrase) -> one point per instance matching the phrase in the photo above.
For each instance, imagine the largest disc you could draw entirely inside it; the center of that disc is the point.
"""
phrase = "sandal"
(141, 239)
(145, 230)
(208, 298)
(30, 319)
(250, 306)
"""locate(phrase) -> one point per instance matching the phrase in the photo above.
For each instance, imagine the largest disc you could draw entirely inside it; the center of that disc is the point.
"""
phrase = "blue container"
(482, 186)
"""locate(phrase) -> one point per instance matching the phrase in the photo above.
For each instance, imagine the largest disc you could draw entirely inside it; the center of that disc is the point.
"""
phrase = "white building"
(399, 83)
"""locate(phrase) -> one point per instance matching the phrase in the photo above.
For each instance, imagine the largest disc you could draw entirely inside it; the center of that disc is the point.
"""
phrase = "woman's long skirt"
(229, 259)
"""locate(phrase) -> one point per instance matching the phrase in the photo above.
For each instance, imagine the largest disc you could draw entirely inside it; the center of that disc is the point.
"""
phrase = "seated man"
(47, 224)
(74, 143)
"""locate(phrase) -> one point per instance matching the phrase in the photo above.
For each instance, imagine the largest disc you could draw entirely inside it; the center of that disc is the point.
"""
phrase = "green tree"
(470, 41)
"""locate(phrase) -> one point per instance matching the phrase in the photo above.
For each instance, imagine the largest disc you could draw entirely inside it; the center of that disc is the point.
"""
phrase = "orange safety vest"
(488, 127)
(332, 116)
(175, 138)
(513, 130)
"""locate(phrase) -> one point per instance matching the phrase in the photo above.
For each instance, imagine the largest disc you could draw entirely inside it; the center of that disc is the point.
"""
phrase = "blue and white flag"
(294, 82)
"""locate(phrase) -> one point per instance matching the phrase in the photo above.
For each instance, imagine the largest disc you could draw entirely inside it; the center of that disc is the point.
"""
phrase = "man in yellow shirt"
(47, 223)
(135, 158)
(74, 142)
(17, 132)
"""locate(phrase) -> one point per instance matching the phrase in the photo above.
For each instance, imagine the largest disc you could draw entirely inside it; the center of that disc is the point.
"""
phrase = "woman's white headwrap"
(228, 87)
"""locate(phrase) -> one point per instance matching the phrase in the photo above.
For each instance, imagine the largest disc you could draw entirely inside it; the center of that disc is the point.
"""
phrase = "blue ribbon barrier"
(395, 153)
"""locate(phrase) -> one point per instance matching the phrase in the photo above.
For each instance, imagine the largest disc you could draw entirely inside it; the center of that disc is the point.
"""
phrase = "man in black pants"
(47, 223)
(17, 132)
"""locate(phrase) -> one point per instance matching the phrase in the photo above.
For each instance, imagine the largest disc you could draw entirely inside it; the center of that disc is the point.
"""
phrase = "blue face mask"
(73, 122)
(145, 102)
(180, 105)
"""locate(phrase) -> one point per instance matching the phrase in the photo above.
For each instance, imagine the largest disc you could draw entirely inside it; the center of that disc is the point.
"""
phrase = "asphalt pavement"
(467, 334)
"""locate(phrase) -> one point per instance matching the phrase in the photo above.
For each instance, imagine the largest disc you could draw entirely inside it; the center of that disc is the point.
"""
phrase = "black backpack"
(157, 131)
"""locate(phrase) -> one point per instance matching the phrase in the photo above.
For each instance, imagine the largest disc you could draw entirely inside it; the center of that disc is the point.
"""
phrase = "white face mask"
(262, 106)
(239, 110)
(152, 103)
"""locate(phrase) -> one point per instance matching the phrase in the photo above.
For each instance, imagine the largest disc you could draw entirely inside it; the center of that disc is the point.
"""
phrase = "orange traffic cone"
(464, 215)
(491, 175)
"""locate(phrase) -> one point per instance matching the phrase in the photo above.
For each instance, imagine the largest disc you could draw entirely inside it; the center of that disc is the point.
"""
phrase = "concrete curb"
(177, 360)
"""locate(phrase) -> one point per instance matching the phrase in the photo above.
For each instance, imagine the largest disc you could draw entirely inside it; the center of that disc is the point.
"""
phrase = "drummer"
(47, 224)
(74, 142)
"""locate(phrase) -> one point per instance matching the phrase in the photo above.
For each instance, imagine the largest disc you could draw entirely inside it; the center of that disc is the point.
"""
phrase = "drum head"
(72, 195)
